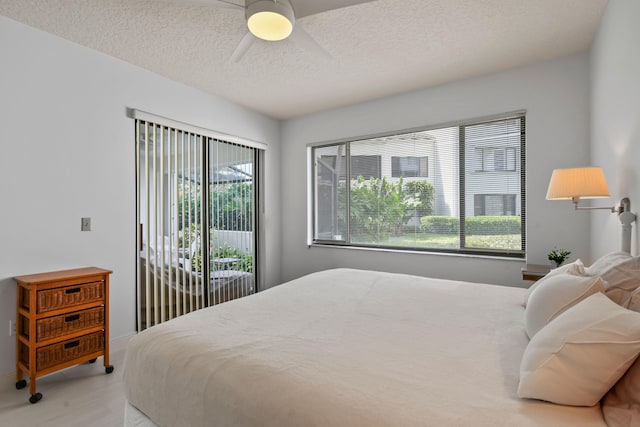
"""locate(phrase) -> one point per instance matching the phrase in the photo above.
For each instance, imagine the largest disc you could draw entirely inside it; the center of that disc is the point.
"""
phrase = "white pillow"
(621, 405)
(576, 268)
(622, 279)
(633, 301)
(581, 354)
(555, 295)
(605, 262)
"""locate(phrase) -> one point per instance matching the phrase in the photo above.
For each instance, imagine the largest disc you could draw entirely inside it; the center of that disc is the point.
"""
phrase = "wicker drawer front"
(57, 326)
(55, 354)
(53, 299)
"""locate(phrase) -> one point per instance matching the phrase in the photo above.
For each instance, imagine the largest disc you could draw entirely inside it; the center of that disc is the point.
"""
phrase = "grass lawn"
(432, 240)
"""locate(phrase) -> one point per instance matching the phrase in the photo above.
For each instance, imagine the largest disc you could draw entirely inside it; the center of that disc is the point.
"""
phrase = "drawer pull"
(72, 344)
(72, 291)
(72, 318)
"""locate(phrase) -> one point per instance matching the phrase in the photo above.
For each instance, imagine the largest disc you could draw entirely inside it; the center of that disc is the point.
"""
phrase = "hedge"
(439, 224)
(476, 225)
(493, 225)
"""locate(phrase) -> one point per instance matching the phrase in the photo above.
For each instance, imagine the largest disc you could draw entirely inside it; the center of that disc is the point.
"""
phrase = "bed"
(345, 347)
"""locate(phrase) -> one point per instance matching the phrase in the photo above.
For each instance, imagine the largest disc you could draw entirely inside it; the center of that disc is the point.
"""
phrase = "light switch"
(86, 224)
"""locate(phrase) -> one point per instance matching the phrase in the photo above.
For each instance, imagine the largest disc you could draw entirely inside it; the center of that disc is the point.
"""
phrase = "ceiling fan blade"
(308, 43)
(242, 47)
(304, 8)
(217, 3)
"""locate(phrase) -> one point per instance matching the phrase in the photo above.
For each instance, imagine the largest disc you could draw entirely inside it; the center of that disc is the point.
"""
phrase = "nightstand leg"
(32, 384)
(35, 397)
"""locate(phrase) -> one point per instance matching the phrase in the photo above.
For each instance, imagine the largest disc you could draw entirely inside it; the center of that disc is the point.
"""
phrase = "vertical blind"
(197, 221)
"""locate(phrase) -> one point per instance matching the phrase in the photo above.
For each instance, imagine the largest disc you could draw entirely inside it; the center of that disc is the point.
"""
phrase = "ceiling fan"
(275, 20)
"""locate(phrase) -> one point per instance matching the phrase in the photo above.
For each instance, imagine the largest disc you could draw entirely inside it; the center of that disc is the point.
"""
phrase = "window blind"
(197, 221)
(456, 188)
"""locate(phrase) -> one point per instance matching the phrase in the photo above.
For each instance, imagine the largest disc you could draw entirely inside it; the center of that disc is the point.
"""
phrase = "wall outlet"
(86, 224)
(12, 328)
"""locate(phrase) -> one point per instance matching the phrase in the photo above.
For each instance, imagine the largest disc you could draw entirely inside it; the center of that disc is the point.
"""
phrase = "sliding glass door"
(196, 210)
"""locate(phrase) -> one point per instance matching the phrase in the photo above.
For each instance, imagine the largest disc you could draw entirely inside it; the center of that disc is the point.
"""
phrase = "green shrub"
(231, 207)
(439, 224)
(422, 192)
(244, 263)
(378, 209)
(475, 225)
(492, 225)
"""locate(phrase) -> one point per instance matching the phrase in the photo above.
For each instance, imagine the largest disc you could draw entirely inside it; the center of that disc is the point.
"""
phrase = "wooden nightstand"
(62, 320)
(534, 272)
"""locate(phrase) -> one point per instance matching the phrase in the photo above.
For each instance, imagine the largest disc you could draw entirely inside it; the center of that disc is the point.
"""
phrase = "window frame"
(462, 249)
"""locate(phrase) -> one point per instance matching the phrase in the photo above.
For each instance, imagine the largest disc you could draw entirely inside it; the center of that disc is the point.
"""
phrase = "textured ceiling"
(375, 49)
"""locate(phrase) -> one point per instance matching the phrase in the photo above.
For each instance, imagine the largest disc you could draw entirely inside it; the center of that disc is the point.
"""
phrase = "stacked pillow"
(555, 295)
(633, 301)
(575, 268)
(621, 405)
(580, 355)
(621, 272)
(583, 339)
(606, 262)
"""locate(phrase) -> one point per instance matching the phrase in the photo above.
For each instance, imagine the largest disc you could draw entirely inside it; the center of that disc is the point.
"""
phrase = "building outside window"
(366, 166)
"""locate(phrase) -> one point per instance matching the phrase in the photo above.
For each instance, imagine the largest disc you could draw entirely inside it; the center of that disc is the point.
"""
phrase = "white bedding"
(344, 348)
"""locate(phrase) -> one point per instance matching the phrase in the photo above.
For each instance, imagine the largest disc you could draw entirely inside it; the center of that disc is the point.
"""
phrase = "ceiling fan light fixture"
(270, 20)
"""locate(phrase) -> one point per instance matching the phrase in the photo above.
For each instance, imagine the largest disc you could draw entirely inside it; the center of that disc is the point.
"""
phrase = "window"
(409, 167)
(494, 204)
(430, 190)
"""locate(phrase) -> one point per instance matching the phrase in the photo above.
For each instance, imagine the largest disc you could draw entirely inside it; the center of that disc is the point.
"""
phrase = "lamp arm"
(576, 200)
(624, 213)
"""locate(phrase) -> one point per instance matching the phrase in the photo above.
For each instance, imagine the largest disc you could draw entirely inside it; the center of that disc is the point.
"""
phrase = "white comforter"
(344, 348)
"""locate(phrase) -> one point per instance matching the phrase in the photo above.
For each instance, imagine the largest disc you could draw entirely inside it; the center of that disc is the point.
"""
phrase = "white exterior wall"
(447, 174)
(240, 240)
(68, 152)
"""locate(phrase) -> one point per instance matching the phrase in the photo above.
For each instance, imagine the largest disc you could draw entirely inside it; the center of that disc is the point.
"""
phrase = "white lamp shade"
(580, 183)
(270, 20)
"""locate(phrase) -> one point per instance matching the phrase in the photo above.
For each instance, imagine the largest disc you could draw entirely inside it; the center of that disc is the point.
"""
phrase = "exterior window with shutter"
(409, 167)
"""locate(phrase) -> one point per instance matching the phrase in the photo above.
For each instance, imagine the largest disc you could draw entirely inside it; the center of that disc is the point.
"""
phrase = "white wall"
(68, 152)
(556, 97)
(615, 119)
